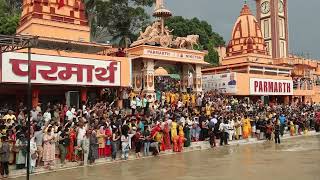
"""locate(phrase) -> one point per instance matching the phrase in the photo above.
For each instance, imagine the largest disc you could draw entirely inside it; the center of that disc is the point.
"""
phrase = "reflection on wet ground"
(295, 159)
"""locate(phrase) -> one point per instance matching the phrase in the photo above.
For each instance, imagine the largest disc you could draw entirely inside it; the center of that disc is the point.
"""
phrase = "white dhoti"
(231, 134)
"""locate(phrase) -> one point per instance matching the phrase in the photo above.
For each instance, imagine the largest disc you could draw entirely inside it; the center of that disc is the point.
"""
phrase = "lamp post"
(28, 113)
(12, 44)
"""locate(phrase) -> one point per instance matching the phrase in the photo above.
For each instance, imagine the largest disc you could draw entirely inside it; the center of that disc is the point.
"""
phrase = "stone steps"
(195, 146)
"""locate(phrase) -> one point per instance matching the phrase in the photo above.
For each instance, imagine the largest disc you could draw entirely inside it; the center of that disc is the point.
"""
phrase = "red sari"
(72, 136)
(166, 137)
(107, 149)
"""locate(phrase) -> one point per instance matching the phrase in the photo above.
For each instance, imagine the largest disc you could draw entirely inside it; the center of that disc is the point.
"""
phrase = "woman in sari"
(180, 138)
(93, 148)
(174, 126)
(86, 147)
(48, 148)
(12, 141)
(72, 137)
(101, 134)
(246, 127)
(292, 128)
(166, 137)
(108, 135)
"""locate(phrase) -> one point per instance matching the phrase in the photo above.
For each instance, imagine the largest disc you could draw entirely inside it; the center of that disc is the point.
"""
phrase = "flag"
(61, 4)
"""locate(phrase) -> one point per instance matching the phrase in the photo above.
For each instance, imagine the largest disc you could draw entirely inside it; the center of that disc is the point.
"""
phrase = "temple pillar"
(148, 78)
(197, 80)
(137, 77)
(184, 78)
(35, 97)
(84, 95)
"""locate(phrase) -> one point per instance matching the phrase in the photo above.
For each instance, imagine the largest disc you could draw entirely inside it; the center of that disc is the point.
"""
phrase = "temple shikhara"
(256, 61)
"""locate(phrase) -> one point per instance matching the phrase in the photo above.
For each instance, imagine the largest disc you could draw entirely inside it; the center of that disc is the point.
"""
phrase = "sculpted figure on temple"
(152, 30)
(153, 35)
(186, 42)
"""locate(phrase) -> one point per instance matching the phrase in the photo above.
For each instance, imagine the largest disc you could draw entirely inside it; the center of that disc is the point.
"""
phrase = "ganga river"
(294, 159)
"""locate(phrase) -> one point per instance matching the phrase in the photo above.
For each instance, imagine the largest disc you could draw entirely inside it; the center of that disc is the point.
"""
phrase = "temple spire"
(159, 4)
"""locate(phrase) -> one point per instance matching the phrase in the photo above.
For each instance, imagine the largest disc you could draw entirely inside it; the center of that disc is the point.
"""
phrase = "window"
(268, 47)
(282, 49)
(281, 28)
(266, 28)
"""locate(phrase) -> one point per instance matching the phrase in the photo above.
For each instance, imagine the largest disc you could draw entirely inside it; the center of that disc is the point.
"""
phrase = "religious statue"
(158, 34)
(153, 35)
(186, 42)
(152, 30)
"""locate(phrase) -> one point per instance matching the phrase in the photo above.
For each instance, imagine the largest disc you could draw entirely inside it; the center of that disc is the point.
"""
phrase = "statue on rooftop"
(153, 35)
(158, 34)
(186, 42)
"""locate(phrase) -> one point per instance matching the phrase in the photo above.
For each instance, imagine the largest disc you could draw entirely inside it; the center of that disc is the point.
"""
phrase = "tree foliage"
(208, 39)
(9, 16)
(119, 19)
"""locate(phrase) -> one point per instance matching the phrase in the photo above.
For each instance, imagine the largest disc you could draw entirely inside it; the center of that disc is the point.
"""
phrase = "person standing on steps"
(4, 154)
(277, 132)
(223, 128)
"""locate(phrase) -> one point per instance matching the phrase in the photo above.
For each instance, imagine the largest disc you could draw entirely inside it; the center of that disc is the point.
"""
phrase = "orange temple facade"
(65, 66)
(249, 65)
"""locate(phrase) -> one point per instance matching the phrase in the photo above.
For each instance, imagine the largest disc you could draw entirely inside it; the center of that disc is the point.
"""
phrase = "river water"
(294, 159)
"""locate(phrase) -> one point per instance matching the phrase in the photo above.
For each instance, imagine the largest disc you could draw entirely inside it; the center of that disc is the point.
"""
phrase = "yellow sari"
(246, 128)
(174, 126)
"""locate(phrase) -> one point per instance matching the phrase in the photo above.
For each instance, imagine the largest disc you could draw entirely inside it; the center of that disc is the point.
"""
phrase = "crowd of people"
(170, 121)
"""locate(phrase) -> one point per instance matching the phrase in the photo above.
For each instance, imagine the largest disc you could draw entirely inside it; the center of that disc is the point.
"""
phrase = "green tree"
(212, 57)
(120, 19)
(9, 16)
(208, 39)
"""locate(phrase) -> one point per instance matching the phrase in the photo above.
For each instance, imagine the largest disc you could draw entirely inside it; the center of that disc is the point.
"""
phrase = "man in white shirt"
(133, 106)
(34, 113)
(47, 116)
(81, 132)
(125, 97)
(224, 129)
(69, 115)
(73, 110)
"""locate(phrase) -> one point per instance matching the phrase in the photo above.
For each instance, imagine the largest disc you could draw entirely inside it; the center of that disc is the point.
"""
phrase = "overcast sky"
(304, 20)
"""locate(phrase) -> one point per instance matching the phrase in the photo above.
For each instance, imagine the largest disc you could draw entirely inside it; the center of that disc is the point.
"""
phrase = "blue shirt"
(141, 126)
(282, 119)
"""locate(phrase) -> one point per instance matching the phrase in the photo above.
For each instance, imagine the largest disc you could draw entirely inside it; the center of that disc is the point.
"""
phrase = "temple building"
(65, 66)
(256, 61)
